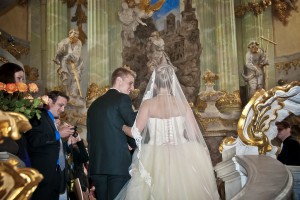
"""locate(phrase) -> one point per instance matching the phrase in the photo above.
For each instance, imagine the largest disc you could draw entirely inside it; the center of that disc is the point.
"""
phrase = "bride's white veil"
(164, 88)
(169, 141)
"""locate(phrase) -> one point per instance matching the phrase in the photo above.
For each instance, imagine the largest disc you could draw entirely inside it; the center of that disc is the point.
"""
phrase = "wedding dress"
(172, 161)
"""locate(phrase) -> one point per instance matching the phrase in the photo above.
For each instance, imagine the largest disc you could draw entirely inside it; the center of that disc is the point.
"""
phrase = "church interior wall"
(15, 21)
(287, 36)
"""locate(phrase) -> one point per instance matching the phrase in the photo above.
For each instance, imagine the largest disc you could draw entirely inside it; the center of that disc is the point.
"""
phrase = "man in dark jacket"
(45, 148)
(108, 146)
(290, 151)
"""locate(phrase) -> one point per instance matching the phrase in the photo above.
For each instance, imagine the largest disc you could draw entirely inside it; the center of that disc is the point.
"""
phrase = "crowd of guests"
(58, 152)
(52, 147)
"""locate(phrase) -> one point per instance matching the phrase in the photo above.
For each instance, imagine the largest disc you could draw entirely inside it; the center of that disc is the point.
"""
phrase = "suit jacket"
(290, 153)
(43, 148)
(108, 144)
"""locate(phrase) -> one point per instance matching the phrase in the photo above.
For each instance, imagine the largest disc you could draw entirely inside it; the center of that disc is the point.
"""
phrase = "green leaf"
(38, 114)
(19, 103)
(27, 112)
(36, 103)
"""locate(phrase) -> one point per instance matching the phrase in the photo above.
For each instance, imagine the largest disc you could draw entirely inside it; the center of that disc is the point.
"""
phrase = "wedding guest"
(78, 156)
(46, 149)
(13, 73)
(290, 151)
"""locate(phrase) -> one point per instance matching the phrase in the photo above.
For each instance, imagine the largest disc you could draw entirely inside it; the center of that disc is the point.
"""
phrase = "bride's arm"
(141, 120)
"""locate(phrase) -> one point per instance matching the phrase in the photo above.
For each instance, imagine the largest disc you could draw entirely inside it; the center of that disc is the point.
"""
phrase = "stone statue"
(256, 60)
(156, 51)
(71, 65)
(131, 15)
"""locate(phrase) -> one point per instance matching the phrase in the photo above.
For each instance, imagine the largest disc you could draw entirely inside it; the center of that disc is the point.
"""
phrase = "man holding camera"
(46, 150)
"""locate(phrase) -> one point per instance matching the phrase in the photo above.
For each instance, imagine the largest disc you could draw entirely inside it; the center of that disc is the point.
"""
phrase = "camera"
(75, 133)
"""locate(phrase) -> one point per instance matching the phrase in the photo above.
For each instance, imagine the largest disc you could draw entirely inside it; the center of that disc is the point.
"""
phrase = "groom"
(108, 146)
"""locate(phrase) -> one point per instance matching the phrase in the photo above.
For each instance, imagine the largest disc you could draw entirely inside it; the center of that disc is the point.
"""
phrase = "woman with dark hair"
(11, 73)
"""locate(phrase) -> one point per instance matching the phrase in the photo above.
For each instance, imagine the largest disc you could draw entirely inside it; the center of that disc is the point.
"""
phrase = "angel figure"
(131, 15)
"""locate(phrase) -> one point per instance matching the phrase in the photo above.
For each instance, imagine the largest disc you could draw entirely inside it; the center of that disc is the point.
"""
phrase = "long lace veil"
(169, 141)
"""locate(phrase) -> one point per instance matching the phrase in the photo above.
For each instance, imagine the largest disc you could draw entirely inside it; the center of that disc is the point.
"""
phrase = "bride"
(172, 160)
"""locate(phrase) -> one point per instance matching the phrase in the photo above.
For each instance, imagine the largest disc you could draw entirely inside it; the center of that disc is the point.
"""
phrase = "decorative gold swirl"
(17, 183)
(260, 122)
(11, 124)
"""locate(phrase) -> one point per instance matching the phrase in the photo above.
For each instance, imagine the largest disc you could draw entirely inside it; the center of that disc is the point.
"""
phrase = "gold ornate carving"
(209, 77)
(281, 8)
(229, 101)
(9, 44)
(260, 121)
(286, 66)
(146, 5)
(17, 183)
(93, 92)
(205, 122)
(11, 124)
(3, 60)
(227, 141)
(134, 94)
(32, 73)
(200, 105)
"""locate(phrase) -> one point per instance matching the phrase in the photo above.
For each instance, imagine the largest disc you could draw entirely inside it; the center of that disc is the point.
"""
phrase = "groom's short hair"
(121, 72)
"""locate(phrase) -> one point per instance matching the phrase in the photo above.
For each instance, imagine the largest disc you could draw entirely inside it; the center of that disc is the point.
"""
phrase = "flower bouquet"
(16, 97)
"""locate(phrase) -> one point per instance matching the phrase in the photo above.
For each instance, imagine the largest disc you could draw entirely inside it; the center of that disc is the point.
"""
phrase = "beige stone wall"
(15, 22)
(287, 37)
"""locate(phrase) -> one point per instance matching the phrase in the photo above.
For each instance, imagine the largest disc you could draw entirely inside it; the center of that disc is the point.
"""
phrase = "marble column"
(104, 40)
(114, 30)
(206, 16)
(218, 40)
(35, 34)
(226, 46)
(56, 30)
(98, 42)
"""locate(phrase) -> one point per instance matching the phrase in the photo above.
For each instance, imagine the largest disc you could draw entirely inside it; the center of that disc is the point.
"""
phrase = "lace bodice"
(166, 131)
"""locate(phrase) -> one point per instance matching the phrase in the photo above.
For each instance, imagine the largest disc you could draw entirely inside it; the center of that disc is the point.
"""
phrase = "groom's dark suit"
(107, 143)
(43, 151)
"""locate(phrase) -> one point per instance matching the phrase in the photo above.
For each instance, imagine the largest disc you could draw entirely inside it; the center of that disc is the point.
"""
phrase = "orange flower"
(11, 88)
(33, 87)
(22, 87)
(2, 86)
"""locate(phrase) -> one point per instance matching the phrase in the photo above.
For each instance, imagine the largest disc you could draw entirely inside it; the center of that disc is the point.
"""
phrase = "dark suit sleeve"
(83, 155)
(126, 111)
(129, 116)
(39, 134)
(292, 151)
